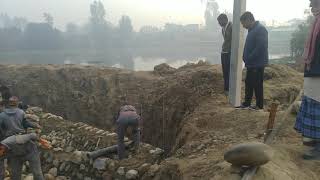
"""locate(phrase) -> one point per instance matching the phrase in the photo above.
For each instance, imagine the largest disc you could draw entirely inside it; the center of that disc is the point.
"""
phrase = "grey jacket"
(13, 122)
(227, 36)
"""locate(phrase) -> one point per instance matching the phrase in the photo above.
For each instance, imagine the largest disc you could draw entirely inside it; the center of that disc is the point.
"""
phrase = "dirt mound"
(163, 69)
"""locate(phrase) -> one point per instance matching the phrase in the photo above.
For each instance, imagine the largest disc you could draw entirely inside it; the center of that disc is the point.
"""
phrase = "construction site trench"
(184, 112)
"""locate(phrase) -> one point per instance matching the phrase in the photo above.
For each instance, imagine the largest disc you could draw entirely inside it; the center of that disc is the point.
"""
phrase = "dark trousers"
(122, 125)
(225, 61)
(27, 152)
(254, 83)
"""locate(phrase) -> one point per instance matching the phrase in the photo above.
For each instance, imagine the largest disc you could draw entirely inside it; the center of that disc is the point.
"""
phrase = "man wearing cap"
(13, 123)
(128, 117)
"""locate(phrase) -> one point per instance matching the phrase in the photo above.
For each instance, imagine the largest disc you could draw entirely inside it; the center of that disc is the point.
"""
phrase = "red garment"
(310, 46)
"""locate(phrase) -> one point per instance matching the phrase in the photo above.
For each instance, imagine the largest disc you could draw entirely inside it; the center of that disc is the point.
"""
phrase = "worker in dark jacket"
(12, 123)
(226, 49)
(128, 117)
(255, 57)
(308, 118)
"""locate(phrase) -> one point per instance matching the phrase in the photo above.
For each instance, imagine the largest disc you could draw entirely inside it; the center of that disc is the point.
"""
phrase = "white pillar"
(239, 8)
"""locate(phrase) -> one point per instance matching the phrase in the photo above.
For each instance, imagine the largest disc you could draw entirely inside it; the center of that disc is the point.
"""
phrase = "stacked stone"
(71, 142)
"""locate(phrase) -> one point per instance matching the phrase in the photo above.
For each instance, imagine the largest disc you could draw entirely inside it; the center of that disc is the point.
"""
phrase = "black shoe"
(242, 107)
(255, 108)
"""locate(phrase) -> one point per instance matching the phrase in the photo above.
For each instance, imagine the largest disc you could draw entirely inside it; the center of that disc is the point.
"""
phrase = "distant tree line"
(97, 33)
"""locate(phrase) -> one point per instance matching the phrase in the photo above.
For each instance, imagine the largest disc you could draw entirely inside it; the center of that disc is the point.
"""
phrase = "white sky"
(148, 12)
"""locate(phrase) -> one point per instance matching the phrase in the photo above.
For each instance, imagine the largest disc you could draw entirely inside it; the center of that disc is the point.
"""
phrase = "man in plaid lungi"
(308, 119)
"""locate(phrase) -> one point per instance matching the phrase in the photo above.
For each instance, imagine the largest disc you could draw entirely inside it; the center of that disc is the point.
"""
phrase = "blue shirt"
(255, 54)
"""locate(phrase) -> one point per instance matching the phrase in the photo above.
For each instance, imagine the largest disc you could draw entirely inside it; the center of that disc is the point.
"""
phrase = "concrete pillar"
(239, 8)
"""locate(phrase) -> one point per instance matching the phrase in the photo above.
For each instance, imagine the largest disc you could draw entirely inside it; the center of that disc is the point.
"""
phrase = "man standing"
(128, 117)
(255, 57)
(13, 122)
(308, 118)
(226, 49)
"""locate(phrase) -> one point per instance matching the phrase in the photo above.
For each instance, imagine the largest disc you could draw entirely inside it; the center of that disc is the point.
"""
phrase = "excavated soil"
(184, 112)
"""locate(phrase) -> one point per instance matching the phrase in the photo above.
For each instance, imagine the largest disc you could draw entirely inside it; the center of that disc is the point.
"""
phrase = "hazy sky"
(148, 12)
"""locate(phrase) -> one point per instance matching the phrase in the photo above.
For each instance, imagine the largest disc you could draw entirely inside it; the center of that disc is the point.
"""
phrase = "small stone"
(62, 167)
(49, 177)
(36, 109)
(76, 157)
(69, 149)
(33, 117)
(56, 163)
(86, 178)
(200, 147)
(144, 168)
(29, 177)
(112, 165)
(82, 167)
(132, 174)
(57, 149)
(249, 154)
(53, 172)
(100, 163)
(24, 168)
(46, 115)
(153, 170)
(107, 176)
(156, 151)
(121, 171)
(67, 167)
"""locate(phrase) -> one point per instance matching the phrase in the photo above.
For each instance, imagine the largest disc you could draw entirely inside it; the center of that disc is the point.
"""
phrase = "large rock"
(249, 154)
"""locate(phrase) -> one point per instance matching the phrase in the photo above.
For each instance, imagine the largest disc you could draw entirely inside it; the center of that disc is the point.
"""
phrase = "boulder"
(249, 154)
